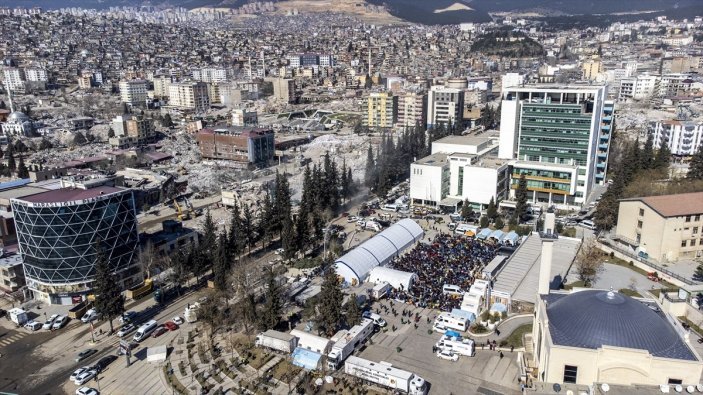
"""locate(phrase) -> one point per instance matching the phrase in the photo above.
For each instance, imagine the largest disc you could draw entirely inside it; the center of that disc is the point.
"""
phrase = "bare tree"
(588, 262)
(149, 258)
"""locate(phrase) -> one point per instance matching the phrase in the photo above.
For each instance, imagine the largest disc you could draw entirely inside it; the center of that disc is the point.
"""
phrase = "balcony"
(602, 155)
(608, 118)
(603, 146)
(601, 165)
(605, 127)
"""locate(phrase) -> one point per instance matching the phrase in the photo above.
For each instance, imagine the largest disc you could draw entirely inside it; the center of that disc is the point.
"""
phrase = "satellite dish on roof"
(690, 389)
(569, 392)
(678, 388)
(664, 388)
(556, 387)
(605, 387)
(699, 387)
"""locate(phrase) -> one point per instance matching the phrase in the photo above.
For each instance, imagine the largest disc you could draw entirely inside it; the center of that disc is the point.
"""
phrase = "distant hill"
(438, 11)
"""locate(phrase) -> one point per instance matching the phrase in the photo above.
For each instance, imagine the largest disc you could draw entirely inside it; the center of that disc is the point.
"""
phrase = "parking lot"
(410, 348)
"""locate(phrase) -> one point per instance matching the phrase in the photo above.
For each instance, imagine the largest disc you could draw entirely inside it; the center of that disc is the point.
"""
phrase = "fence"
(638, 261)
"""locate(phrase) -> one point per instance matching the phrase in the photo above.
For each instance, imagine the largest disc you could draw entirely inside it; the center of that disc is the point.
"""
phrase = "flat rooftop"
(70, 194)
(438, 159)
(21, 192)
(520, 274)
(465, 140)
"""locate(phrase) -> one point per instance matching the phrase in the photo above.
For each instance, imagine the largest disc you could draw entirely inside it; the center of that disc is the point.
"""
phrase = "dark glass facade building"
(58, 233)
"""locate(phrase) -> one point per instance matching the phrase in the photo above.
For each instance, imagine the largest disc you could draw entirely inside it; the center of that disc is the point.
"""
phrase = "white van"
(450, 289)
(145, 330)
(445, 321)
(390, 207)
(375, 318)
(588, 224)
(458, 346)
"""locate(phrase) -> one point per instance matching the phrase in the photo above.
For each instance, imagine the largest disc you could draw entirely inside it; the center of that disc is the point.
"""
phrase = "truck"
(164, 293)
(349, 342)
(445, 321)
(373, 225)
(141, 290)
(380, 290)
(18, 316)
(457, 344)
(275, 340)
(191, 312)
(383, 373)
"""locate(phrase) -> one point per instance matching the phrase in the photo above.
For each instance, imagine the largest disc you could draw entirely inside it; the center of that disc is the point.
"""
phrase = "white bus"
(588, 224)
(145, 330)
(466, 230)
(453, 290)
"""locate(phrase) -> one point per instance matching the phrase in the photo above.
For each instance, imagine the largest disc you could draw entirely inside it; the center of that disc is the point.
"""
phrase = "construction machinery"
(181, 213)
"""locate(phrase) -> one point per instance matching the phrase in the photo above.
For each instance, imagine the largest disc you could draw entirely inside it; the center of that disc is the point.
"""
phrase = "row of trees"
(634, 163)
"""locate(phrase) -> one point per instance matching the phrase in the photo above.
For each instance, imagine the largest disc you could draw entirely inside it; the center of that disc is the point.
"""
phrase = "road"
(41, 362)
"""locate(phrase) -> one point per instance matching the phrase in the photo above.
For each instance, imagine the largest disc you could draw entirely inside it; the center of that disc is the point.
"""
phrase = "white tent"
(396, 278)
(355, 265)
(156, 354)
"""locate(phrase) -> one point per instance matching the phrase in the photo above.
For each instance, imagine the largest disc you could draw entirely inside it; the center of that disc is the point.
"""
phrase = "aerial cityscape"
(351, 197)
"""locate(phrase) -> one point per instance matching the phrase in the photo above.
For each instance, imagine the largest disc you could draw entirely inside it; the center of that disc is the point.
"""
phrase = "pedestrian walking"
(512, 348)
(501, 355)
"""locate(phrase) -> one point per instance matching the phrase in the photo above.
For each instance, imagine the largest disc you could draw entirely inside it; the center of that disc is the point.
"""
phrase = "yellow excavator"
(182, 214)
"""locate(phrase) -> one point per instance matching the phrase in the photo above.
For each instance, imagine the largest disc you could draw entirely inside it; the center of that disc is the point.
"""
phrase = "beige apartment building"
(133, 92)
(189, 96)
(667, 228)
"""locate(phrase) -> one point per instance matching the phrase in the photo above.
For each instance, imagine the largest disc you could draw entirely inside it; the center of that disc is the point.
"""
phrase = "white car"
(448, 355)
(60, 322)
(177, 320)
(87, 391)
(90, 315)
(49, 322)
(78, 372)
(33, 325)
(125, 330)
(85, 377)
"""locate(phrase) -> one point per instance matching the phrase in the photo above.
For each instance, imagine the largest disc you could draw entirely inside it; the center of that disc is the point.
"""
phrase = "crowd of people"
(448, 259)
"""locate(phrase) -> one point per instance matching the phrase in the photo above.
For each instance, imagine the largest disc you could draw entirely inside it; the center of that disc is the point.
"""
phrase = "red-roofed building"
(251, 146)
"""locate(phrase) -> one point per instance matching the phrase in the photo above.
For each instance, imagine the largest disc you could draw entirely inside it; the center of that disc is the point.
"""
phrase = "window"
(688, 218)
(641, 212)
(639, 224)
(693, 242)
(570, 374)
(460, 191)
(695, 230)
(683, 243)
(697, 218)
(675, 381)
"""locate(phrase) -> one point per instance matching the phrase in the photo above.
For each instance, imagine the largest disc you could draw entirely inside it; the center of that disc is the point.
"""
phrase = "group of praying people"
(448, 259)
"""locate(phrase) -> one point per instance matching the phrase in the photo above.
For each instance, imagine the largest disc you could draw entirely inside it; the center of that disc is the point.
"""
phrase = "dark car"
(85, 354)
(104, 362)
(159, 331)
(171, 326)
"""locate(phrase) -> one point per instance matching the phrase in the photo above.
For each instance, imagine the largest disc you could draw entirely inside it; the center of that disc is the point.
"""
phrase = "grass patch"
(515, 338)
(285, 371)
(173, 381)
(629, 292)
(201, 354)
(568, 232)
(257, 358)
(694, 327)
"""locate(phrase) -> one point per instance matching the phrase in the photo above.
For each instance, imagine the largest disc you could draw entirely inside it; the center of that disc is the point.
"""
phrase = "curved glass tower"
(58, 231)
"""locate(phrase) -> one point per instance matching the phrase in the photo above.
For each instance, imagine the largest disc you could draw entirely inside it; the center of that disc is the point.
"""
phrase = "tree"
(273, 305)
(698, 274)
(521, 198)
(352, 311)
(10, 158)
(79, 139)
(209, 243)
(663, 156)
(588, 262)
(499, 223)
(466, 210)
(167, 121)
(370, 174)
(236, 237)
(484, 222)
(22, 171)
(220, 267)
(330, 302)
(647, 158)
(109, 300)
(491, 210)
(179, 271)
(695, 166)
(110, 133)
(45, 144)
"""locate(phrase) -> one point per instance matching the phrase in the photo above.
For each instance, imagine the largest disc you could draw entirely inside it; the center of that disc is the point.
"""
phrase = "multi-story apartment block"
(560, 138)
(162, 85)
(36, 75)
(137, 129)
(283, 89)
(412, 109)
(682, 137)
(444, 106)
(133, 92)
(666, 228)
(641, 87)
(210, 74)
(381, 110)
(13, 79)
(190, 96)
(246, 145)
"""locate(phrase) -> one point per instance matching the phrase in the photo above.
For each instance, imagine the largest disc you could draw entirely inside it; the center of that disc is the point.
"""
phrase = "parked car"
(159, 331)
(103, 363)
(60, 322)
(128, 316)
(85, 354)
(78, 372)
(87, 391)
(85, 377)
(90, 315)
(178, 320)
(33, 325)
(171, 326)
(50, 322)
(448, 355)
(125, 330)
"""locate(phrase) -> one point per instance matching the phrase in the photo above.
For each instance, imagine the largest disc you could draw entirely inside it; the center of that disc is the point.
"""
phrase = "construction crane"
(182, 215)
